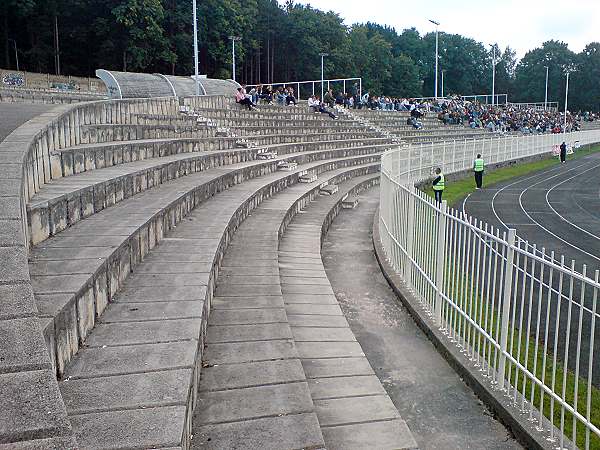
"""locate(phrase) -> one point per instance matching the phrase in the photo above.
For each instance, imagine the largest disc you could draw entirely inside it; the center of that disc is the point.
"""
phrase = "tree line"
(280, 43)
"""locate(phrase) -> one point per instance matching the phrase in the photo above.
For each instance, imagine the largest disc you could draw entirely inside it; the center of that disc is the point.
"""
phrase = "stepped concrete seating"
(89, 211)
(78, 267)
(253, 390)
(394, 122)
(153, 332)
(352, 407)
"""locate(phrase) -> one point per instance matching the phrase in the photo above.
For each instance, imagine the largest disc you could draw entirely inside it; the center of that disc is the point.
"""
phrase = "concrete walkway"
(441, 411)
(13, 115)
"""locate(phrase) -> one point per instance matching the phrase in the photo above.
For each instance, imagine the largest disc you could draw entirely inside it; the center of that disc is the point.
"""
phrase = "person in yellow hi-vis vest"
(478, 167)
(439, 184)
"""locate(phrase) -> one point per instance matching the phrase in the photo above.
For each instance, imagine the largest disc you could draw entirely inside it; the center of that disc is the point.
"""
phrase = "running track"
(557, 209)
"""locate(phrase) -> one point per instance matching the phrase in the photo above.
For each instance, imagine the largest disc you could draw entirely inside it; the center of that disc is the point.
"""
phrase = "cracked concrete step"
(353, 409)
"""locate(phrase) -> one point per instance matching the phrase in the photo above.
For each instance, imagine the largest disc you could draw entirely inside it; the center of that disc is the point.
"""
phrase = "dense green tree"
(530, 73)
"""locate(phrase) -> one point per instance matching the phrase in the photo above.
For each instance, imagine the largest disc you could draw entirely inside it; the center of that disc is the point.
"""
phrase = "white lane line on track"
(546, 229)
(561, 216)
(508, 188)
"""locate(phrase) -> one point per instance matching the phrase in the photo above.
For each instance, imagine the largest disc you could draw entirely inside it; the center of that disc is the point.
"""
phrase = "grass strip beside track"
(457, 190)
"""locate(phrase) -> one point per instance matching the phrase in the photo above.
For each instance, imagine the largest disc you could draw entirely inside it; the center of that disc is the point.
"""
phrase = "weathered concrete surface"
(13, 115)
(441, 411)
(353, 409)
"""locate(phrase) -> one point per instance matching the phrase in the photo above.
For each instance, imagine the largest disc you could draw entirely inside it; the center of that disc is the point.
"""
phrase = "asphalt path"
(557, 210)
(442, 412)
(13, 115)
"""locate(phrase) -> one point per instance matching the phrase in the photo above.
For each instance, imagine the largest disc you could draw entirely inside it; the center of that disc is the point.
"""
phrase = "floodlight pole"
(546, 94)
(443, 84)
(233, 39)
(436, 56)
(196, 75)
(16, 53)
(493, 74)
(322, 55)
(566, 100)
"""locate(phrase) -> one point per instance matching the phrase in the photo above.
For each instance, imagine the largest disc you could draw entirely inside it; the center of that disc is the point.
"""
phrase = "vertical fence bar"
(440, 256)
(506, 296)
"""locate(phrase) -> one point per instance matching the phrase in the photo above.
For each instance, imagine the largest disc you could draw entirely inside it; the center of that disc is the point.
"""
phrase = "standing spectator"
(329, 99)
(439, 184)
(478, 166)
(563, 152)
(354, 93)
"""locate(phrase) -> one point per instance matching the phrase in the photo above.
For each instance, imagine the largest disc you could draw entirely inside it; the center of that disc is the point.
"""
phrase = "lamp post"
(16, 53)
(437, 24)
(233, 39)
(546, 93)
(322, 55)
(196, 75)
(443, 84)
(568, 71)
(493, 74)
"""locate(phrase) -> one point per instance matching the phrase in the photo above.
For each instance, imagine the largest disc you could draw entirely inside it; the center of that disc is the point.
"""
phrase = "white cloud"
(520, 24)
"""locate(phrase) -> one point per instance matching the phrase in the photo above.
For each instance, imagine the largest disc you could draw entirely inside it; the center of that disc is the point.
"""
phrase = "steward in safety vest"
(478, 167)
(439, 184)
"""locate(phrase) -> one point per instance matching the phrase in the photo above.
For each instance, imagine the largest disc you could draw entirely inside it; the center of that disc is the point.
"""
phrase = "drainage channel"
(440, 410)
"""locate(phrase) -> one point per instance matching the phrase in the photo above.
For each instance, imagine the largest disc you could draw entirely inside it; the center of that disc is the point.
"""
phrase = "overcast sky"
(521, 24)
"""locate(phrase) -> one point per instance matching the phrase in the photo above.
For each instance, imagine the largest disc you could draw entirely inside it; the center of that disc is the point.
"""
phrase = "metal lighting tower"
(322, 55)
(493, 74)
(197, 76)
(437, 24)
(568, 71)
(233, 39)
(546, 94)
(443, 84)
(16, 53)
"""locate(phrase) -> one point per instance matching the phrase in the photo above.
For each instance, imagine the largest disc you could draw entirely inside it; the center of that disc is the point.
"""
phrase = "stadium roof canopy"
(148, 85)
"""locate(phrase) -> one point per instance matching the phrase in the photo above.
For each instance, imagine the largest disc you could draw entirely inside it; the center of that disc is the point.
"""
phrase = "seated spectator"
(414, 122)
(244, 99)
(340, 99)
(314, 104)
(280, 96)
(266, 94)
(289, 99)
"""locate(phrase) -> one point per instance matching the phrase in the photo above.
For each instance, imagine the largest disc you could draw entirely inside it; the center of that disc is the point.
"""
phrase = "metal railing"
(314, 86)
(538, 106)
(528, 323)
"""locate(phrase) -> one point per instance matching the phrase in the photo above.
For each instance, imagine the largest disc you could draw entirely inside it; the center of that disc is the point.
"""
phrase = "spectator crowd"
(453, 110)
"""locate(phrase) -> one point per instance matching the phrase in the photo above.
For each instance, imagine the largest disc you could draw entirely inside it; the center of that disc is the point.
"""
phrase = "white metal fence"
(304, 89)
(530, 324)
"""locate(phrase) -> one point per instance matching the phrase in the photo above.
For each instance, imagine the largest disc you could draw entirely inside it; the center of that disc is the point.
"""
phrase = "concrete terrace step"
(253, 392)
(91, 134)
(138, 375)
(65, 201)
(353, 408)
(86, 157)
(73, 289)
(281, 113)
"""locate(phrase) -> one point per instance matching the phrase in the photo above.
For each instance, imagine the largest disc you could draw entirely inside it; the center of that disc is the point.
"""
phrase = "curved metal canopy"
(148, 85)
